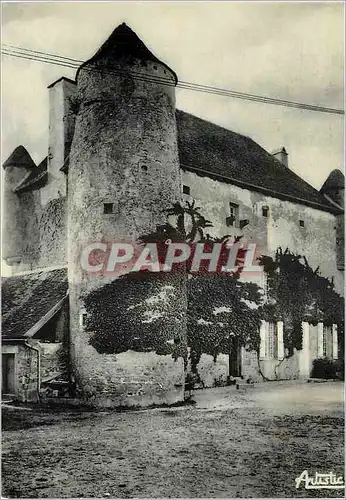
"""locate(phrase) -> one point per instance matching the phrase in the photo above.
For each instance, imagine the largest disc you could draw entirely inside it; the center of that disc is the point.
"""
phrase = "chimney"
(281, 155)
(61, 127)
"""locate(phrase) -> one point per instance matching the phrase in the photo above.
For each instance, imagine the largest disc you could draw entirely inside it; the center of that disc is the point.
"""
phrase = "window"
(301, 223)
(108, 208)
(265, 211)
(186, 189)
(83, 318)
(326, 341)
(233, 219)
(272, 340)
(271, 348)
(144, 168)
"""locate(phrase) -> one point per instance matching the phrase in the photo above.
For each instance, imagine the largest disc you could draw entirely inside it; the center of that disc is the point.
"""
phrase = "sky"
(286, 50)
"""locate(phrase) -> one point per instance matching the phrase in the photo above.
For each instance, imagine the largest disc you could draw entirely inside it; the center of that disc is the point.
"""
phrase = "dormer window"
(233, 219)
(108, 208)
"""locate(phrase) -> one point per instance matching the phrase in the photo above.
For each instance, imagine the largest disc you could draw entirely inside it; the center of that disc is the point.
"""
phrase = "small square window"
(301, 223)
(108, 208)
(83, 318)
(186, 189)
(265, 211)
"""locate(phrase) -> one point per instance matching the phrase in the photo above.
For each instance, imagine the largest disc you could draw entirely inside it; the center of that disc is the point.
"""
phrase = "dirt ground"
(251, 442)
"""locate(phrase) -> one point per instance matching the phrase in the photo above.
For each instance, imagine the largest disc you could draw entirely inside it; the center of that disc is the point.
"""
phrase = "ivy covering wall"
(131, 312)
(296, 293)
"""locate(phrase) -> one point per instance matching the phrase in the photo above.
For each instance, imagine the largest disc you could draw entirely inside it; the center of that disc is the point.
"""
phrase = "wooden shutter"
(304, 354)
(335, 342)
(320, 340)
(280, 337)
(263, 330)
(306, 336)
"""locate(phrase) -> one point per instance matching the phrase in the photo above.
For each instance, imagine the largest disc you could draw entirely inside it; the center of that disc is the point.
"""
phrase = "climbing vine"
(137, 311)
(296, 293)
(150, 311)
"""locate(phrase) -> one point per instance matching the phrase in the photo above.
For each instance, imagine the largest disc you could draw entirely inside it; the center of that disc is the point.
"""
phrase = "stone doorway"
(234, 358)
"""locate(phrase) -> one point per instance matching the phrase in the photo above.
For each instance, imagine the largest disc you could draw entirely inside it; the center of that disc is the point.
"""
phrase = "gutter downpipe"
(38, 387)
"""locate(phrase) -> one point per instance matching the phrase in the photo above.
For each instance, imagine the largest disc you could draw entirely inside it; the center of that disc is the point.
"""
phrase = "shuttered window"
(335, 342)
(327, 341)
(272, 343)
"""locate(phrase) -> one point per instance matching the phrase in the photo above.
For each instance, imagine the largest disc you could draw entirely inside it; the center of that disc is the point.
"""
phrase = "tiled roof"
(123, 43)
(211, 150)
(19, 158)
(35, 179)
(26, 299)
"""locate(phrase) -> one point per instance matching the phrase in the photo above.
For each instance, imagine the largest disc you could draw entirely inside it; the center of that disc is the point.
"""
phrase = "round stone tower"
(334, 187)
(17, 167)
(334, 190)
(123, 174)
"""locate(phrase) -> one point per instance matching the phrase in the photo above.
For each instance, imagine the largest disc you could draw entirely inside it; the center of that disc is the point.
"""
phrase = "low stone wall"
(272, 369)
(53, 360)
(213, 373)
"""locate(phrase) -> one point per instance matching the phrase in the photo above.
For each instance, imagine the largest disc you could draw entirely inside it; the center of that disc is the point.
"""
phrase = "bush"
(328, 368)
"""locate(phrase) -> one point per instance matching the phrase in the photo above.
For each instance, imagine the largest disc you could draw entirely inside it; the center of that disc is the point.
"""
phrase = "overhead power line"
(68, 62)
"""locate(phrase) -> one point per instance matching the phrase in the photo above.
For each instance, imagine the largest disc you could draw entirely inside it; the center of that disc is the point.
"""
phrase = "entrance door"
(8, 380)
(235, 358)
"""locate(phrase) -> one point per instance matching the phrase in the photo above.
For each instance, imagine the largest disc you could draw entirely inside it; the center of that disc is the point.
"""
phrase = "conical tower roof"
(335, 180)
(20, 158)
(123, 43)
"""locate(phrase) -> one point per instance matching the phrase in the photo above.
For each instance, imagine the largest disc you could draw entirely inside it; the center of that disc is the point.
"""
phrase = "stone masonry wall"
(20, 232)
(316, 240)
(272, 369)
(53, 233)
(53, 362)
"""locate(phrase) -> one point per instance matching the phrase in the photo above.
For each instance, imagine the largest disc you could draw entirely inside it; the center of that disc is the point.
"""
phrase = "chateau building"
(119, 155)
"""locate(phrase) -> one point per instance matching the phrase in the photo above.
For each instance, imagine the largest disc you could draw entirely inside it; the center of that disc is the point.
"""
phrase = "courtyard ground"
(251, 442)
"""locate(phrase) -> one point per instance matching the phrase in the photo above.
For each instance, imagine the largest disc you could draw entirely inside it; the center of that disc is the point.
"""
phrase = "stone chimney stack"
(281, 155)
(62, 113)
